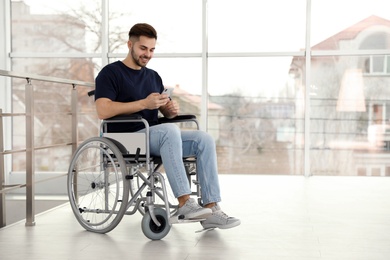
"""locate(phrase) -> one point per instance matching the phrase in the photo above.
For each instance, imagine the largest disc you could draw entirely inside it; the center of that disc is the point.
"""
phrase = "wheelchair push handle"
(91, 93)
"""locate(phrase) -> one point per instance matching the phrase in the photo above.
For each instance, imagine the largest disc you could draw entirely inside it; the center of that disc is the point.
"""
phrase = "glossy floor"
(283, 217)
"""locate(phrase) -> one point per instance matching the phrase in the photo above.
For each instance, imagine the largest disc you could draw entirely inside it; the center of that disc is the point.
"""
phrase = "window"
(377, 65)
(247, 58)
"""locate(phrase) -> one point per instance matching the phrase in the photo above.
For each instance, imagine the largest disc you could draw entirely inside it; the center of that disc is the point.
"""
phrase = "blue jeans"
(172, 144)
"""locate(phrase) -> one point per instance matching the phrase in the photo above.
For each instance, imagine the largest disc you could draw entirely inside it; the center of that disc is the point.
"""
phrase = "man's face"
(142, 50)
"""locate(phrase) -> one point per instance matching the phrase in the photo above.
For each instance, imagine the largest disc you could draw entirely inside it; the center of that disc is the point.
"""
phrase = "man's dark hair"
(142, 29)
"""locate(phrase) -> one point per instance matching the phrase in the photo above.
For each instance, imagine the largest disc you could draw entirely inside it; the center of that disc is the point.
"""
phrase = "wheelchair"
(114, 175)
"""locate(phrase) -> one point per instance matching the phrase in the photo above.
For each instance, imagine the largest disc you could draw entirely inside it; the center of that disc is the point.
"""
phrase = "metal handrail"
(30, 147)
(27, 76)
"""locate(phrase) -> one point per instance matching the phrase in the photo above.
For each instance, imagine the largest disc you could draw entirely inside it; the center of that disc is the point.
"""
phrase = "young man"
(127, 87)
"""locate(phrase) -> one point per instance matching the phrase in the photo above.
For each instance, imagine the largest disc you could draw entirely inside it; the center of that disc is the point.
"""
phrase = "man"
(127, 87)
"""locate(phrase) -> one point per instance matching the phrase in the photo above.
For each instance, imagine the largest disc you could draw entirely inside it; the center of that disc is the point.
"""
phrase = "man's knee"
(206, 137)
(169, 130)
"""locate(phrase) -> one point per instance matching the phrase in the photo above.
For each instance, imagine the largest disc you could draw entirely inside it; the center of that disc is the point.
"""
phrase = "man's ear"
(129, 44)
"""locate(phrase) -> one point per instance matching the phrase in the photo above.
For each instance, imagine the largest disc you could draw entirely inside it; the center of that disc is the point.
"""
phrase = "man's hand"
(156, 100)
(171, 109)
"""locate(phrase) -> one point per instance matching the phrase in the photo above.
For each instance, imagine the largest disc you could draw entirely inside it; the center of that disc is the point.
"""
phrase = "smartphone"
(168, 91)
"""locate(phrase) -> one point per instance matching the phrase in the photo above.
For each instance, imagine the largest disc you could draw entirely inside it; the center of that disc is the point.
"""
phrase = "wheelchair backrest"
(131, 141)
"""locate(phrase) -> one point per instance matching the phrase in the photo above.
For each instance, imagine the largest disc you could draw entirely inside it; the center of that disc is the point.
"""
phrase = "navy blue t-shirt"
(118, 82)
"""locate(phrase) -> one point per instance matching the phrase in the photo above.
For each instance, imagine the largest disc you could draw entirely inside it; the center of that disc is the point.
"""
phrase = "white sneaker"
(219, 219)
(192, 210)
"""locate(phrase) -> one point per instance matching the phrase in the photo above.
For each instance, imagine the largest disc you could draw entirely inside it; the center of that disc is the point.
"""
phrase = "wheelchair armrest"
(180, 118)
(161, 120)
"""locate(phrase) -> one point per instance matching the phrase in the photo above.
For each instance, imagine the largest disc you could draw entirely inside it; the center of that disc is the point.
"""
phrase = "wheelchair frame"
(106, 182)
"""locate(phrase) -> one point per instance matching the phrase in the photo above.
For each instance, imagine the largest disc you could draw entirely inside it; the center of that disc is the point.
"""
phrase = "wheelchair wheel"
(151, 230)
(97, 187)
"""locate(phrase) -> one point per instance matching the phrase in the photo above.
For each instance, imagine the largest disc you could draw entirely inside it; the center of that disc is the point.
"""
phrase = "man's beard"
(137, 60)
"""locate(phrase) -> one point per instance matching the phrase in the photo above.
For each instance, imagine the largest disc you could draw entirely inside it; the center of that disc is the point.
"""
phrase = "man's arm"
(107, 108)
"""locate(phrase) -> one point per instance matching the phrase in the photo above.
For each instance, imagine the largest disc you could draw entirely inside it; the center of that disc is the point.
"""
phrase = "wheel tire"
(97, 188)
(151, 230)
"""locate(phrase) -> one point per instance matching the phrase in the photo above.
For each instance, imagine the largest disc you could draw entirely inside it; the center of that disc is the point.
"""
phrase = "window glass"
(348, 118)
(56, 26)
(68, 68)
(378, 64)
(341, 22)
(256, 107)
(256, 116)
(184, 75)
(256, 26)
(178, 23)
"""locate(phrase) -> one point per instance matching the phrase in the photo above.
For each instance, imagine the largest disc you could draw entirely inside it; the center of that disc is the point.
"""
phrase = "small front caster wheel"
(151, 230)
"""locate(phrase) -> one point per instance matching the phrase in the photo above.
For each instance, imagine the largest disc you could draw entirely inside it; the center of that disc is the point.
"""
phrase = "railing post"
(75, 132)
(2, 182)
(30, 155)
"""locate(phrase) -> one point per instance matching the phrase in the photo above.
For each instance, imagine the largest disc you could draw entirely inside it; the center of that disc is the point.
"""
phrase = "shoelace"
(220, 213)
(192, 205)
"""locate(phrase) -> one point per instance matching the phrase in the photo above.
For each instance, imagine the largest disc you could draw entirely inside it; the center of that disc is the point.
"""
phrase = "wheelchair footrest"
(178, 220)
